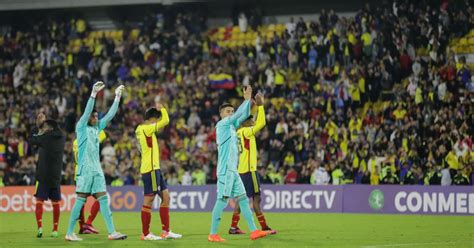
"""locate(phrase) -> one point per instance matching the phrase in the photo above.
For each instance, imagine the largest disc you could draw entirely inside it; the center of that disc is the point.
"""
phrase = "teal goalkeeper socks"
(216, 214)
(106, 213)
(75, 212)
(247, 212)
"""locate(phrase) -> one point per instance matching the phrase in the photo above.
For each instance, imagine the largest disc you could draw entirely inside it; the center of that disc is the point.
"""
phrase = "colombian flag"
(3, 153)
(221, 81)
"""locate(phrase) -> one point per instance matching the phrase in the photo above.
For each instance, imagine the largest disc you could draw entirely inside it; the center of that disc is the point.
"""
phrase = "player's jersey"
(102, 137)
(88, 157)
(248, 145)
(227, 140)
(148, 144)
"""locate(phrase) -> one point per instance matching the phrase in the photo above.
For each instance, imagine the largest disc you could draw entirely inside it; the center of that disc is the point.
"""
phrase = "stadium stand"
(385, 96)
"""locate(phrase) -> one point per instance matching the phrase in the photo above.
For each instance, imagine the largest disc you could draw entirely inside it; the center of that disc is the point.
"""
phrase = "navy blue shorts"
(153, 182)
(251, 182)
(45, 192)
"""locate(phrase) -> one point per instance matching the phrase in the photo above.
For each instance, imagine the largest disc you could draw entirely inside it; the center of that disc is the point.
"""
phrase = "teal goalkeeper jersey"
(88, 139)
(227, 140)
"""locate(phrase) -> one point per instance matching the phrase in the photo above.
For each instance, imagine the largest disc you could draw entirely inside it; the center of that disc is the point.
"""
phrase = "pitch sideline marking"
(416, 244)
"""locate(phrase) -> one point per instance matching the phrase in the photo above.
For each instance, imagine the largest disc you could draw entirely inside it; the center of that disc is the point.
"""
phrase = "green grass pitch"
(294, 230)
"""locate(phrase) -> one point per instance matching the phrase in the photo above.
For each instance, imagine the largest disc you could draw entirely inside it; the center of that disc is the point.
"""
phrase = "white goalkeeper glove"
(98, 86)
(118, 92)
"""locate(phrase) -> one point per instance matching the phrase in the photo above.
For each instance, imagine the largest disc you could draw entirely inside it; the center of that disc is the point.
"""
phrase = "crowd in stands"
(378, 98)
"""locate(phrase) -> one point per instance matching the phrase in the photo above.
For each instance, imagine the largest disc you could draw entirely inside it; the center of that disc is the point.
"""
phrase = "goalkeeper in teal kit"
(229, 184)
(90, 177)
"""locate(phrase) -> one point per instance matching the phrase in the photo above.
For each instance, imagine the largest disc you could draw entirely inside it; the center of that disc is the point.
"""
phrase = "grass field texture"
(294, 230)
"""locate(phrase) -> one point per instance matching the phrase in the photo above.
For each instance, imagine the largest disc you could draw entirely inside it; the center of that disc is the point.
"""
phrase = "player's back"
(51, 152)
(248, 150)
(148, 145)
(248, 144)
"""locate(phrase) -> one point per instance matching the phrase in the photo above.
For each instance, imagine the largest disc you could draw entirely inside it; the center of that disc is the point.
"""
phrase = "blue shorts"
(230, 185)
(153, 182)
(90, 184)
(45, 192)
(251, 182)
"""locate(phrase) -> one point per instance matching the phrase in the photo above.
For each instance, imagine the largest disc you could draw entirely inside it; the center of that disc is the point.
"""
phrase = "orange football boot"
(215, 238)
(257, 234)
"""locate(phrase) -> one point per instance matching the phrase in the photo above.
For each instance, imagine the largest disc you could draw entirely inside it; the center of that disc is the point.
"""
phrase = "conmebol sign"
(409, 199)
(280, 198)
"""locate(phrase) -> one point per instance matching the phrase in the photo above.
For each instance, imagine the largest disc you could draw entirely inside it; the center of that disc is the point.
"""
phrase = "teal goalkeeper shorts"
(230, 185)
(90, 184)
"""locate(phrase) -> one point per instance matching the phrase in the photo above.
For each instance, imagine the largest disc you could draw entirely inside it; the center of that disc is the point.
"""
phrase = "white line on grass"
(415, 244)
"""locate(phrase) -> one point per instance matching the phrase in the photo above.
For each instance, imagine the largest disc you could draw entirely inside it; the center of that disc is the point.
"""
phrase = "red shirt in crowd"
(405, 62)
(291, 177)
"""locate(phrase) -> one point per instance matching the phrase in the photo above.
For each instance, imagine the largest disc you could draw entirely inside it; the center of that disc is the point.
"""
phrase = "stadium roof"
(6, 5)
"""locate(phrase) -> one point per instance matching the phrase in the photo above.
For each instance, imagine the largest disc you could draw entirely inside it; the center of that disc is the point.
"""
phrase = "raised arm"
(109, 116)
(98, 86)
(260, 122)
(243, 112)
(113, 109)
(87, 113)
(165, 119)
(150, 129)
(35, 139)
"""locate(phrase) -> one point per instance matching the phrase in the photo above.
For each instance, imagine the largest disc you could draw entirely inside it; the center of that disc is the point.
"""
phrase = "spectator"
(291, 176)
(243, 23)
(337, 176)
(108, 154)
(460, 178)
(187, 179)
(264, 178)
(320, 176)
(199, 177)
(390, 178)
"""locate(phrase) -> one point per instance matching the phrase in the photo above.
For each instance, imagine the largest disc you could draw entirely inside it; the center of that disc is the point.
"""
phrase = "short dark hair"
(94, 110)
(225, 105)
(51, 123)
(152, 113)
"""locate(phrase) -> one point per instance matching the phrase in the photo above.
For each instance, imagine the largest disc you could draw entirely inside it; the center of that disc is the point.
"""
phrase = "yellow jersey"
(280, 77)
(102, 136)
(452, 160)
(399, 114)
(366, 38)
(248, 145)
(148, 144)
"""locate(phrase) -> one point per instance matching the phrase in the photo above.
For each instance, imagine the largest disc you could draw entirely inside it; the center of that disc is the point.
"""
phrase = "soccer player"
(90, 177)
(153, 181)
(50, 141)
(229, 184)
(248, 166)
(86, 227)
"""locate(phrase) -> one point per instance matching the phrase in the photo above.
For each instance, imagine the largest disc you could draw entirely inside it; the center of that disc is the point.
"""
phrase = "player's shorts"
(90, 184)
(45, 192)
(230, 185)
(153, 182)
(251, 182)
